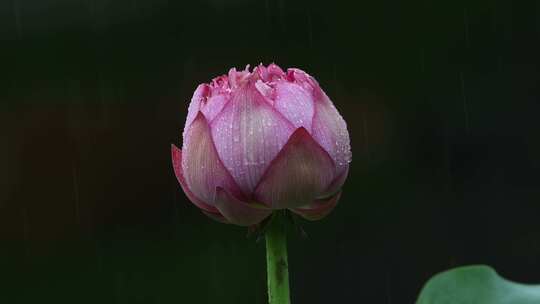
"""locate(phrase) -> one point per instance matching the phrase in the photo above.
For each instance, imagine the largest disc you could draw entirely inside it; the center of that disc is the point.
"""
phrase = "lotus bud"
(260, 141)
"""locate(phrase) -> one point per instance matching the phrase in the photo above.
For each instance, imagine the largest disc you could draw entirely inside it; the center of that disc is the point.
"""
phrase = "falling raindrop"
(334, 74)
(388, 286)
(466, 25)
(104, 102)
(310, 28)
(281, 5)
(494, 18)
(26, 229)
(422, 60)
(366, 137)
(175, 216)
(76, 193)
(447, 161)
(268, 15)
(17, 16)
(99, 256)
(120, 282)
(464, 97)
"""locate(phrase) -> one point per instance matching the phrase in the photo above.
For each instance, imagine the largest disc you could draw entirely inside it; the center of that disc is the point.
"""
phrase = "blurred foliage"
(476, 285)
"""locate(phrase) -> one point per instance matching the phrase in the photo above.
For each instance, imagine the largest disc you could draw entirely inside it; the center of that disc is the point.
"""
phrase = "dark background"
(442, 104)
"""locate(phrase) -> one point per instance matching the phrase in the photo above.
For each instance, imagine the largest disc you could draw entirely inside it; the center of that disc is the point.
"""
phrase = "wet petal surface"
(249, 134)
(299, 173)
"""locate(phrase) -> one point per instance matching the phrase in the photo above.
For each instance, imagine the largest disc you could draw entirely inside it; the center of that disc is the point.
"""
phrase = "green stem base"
(276, 262)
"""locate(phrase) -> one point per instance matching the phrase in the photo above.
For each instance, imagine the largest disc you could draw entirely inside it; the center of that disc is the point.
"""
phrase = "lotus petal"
(300, 172)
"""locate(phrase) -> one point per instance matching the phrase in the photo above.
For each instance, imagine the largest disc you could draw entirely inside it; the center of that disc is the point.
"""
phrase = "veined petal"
(270, 73)
(319, 208)
(248, 134)
(295, 103)
(202, 168)
(199, 96)
(208, 99)
(300, 172)
(239, 212)
(330, 131)
(213, 105)
(337, 183)
(177, 165)
(238, 78)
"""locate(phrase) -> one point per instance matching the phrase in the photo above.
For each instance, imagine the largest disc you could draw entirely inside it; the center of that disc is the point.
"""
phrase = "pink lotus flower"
(260, 141)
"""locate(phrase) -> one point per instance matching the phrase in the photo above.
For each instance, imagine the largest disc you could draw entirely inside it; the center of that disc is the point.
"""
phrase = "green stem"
(276, 262)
